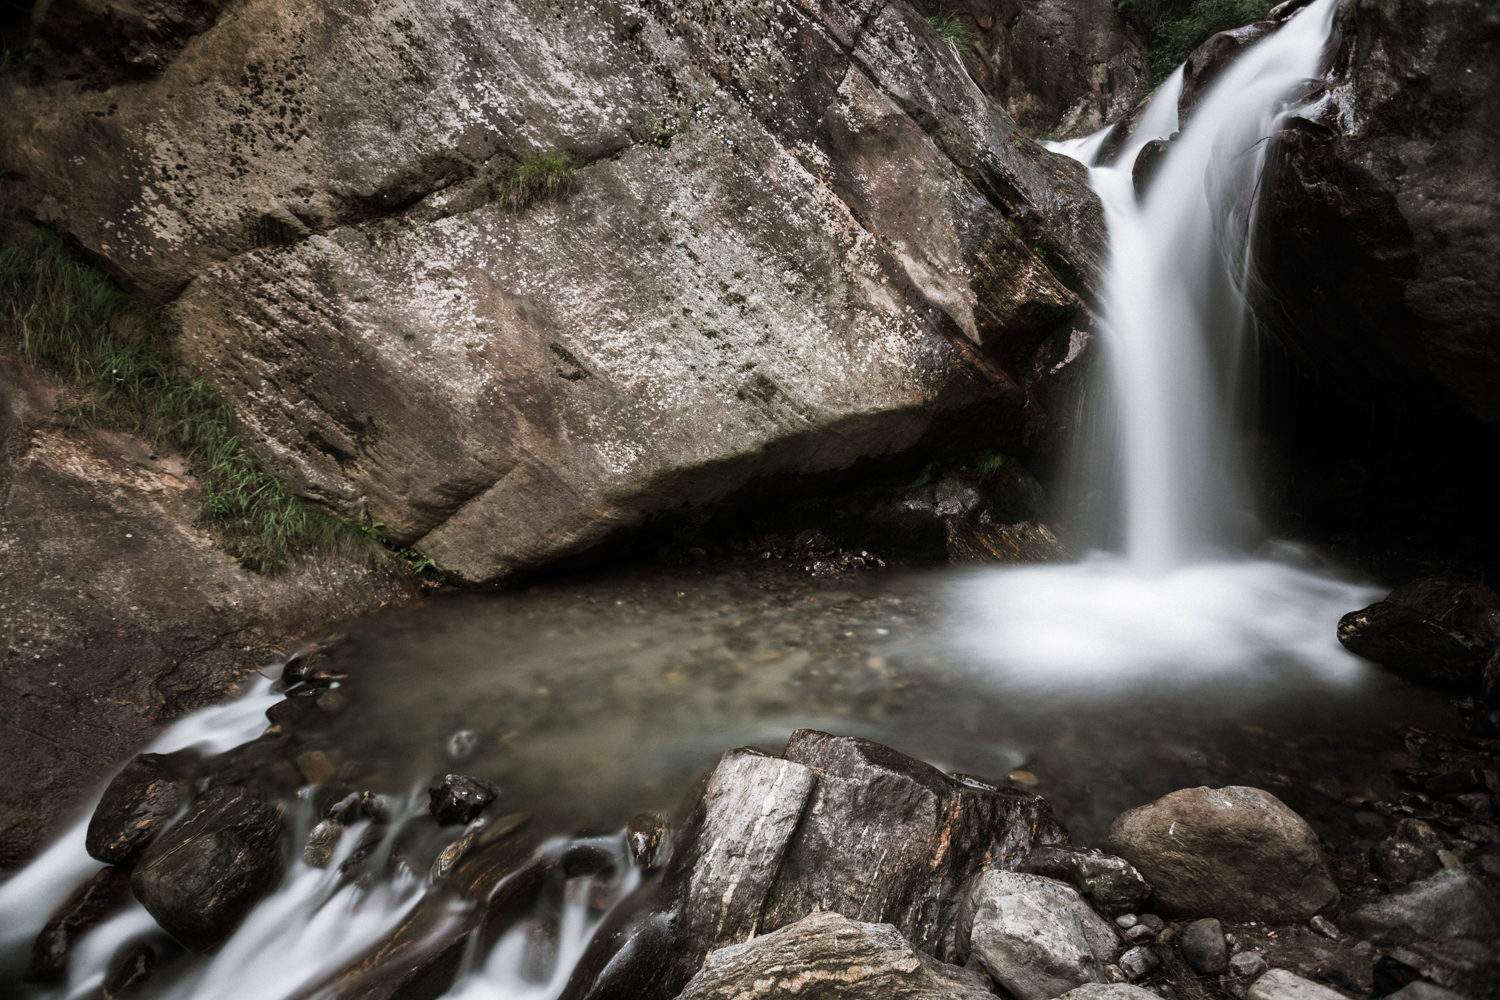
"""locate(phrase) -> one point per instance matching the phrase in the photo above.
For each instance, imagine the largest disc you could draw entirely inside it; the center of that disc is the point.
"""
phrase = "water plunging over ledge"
(1181, 660)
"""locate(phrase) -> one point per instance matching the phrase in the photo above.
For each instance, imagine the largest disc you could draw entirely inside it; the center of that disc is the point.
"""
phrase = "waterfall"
(1185, 600)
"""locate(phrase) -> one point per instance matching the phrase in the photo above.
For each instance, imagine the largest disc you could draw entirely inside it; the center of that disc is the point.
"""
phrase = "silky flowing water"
(1199, 653)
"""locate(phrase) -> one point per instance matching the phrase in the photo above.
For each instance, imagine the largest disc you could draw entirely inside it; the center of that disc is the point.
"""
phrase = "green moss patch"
(539, 178)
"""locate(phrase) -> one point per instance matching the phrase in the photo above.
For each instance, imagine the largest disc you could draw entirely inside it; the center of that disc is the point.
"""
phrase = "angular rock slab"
(830, 957)
(1448, 904)
(202, 876)
(1236, 853)
(838, 825)
(1035, 936)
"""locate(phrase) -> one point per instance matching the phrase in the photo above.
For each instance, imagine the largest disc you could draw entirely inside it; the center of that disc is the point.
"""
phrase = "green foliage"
(538, 178)
(12, 61)
(1174, 28)
(71, 320)
(663, 130)
(953, 31)
(415, 561)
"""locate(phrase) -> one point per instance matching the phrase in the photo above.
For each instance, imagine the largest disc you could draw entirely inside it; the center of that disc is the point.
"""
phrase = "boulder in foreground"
(1235, 853)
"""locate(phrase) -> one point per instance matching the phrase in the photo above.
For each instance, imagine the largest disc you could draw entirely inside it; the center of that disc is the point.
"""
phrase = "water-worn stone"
(200, 878)
(838, 825)
(1448, 904)
(91, 904)
(1110, 884)
(137, 805)
(1147, 162)
(1203, 946)
(1139, 961)
(1035, 936)
(1109, 991)
(1208, 62)
(322, 842)
(129, 970)
(1465, 965)
(1279, 984)
(827, 955)
(1399, 861)
(459, 798)
(1237, 853)
(1432, 630)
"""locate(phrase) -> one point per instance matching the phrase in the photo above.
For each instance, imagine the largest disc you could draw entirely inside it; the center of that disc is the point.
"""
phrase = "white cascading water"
(1182, 602)
(1175, 605)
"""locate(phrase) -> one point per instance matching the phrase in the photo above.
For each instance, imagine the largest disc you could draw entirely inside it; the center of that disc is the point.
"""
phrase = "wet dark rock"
(138, 804)
(1110, 884)
(583, 859)
(200, 878)
(130, 970)
(1468, 966)
(1209, 61)
(376, 808)
(1035, 936)
(90, 905)
(647, 836)
(261, 768)
(490, 890)
(1447, 904)
(976, 541)
(460, 798)
(318, 767)
(290, 711)
(1141, 934)
(346, 809)
(1399, 861)
(1238, 853)
(449, 857)
(1139, 962)
(831, 957)
(322, 842)
(539, 954)
(1147, 162)
(1432, 631)
(1203, 946)
(838, 824)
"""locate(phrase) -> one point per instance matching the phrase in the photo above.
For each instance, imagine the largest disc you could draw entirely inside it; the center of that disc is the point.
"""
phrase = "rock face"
(799, 236)
(201, 878)
(1208, 62)
(1432, 630)
(1237, 853)
(829, 955)
(1066, 68)
(838, 824)
(1448, 904)
(118, 611)
(1035, 936)
(1379, 236)
(1111, 885)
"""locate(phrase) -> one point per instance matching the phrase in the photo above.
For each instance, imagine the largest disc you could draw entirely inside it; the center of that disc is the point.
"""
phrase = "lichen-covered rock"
(829, 956)
(799, 236)
(1236, 852)
(1035, 936)
(201, 878)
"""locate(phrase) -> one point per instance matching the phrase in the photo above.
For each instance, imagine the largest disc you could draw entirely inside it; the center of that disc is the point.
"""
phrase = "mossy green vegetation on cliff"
(537, 178)
(1175, 28)
(71, 320)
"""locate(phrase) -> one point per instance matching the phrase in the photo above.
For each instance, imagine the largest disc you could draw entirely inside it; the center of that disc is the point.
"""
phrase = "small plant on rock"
(953, 31)
(663, 131)
(539, 178)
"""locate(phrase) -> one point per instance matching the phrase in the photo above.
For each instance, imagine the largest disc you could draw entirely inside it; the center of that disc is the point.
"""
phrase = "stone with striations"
(1235, 853)
(137, 806)
(830, 957)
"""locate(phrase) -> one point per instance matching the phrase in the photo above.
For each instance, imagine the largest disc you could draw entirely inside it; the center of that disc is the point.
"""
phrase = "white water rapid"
(1184, 602)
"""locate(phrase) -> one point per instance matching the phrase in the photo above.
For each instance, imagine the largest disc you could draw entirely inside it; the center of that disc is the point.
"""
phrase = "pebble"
(1325, 927)
(1247, 964)
(1138, 962)
(459, 798)
(1152, 921)
(321, 843)
(1127, 921)
(1203, 945)
(1140, 934)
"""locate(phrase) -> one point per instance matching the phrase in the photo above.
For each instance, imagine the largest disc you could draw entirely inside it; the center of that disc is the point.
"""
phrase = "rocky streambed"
(518, 795)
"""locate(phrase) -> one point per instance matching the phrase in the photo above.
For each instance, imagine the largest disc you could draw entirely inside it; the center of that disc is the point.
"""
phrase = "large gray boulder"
(1279, 984)
(799, 236)
(831, 957)
(1236, 853)
(1035, 936)
(1448, 904)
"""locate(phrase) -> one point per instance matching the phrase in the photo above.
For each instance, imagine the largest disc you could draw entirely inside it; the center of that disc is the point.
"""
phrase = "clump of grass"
(1174, 28)
(71, 320)
(953, 31)
(538, 178)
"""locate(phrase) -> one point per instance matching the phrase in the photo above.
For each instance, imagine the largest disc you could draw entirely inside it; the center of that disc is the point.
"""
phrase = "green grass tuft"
(70, 319)
(953, 31)
(541, 177)
(1174, 28)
